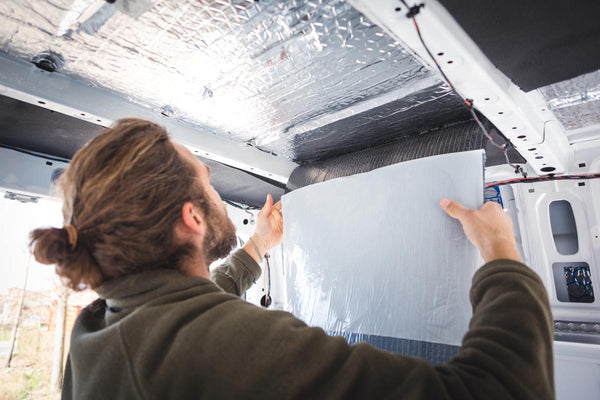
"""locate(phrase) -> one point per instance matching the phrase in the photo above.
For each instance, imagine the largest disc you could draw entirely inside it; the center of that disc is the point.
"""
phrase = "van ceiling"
(304, 80)
(284, 77)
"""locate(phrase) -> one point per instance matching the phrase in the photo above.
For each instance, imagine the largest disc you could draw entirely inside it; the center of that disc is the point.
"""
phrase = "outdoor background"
(30, 372)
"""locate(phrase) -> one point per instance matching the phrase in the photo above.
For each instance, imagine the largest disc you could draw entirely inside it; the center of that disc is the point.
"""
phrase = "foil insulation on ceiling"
(303, 79)
(575, 102)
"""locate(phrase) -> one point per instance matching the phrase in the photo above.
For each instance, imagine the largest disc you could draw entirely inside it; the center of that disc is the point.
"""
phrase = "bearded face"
(220, 236)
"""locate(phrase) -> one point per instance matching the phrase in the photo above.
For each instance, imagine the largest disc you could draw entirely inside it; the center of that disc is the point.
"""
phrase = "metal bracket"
(24, 81)
(520, 116)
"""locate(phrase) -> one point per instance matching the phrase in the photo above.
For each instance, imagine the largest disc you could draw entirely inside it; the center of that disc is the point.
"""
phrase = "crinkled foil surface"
(575, 102)
(273, 74)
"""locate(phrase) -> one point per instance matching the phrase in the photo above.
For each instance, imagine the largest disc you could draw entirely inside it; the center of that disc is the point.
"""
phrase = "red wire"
(545, 179)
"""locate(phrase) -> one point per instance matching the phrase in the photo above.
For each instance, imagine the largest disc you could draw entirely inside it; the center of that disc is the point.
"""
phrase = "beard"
(220, 237)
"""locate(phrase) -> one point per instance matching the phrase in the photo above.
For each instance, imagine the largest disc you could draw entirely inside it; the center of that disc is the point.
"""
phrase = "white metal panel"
(532, 201)
(27, 174)
(521, 117)
(576, 371)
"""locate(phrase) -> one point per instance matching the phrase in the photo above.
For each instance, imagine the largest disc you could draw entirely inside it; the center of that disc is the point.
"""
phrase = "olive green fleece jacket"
(163, 335)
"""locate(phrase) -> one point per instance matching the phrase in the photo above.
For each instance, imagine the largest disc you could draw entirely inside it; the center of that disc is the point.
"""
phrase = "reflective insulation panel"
(399, 270)
(302, 79)
(575, 102)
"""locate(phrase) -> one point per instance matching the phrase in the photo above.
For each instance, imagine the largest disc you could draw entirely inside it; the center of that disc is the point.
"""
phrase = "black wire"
(268, 275)
(413, 11)
(240, 206)
(546, 178)
(31, 153)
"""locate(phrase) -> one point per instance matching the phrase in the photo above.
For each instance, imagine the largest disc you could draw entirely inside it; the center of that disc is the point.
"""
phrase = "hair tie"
(72, 233)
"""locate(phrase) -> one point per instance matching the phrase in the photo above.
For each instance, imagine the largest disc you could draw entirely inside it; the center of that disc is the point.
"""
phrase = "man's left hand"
(269, 227)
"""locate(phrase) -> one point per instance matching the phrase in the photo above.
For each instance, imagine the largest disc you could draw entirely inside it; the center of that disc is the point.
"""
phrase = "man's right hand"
(488, 228)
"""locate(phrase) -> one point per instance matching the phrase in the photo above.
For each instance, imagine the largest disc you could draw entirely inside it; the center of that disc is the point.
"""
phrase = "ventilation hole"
(440, 54)
(41, 102)
(487, 99)
(500, 112)
(547, 169)
(208, 154)
(539, 157)
(564, 229)
(581, 165)
(48, 162)
(83, 114)
(581, 183)
(450, 62)
(98, 120)
(521, 136)
(514, 127)
(531, 190)
(543, 109)
(573, 283)
(398, 9)
(531, 149)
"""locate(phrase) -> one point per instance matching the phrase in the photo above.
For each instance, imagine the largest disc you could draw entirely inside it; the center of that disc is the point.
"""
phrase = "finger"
(491, 204)
(453, 208)
(277, 205)
(266, 210)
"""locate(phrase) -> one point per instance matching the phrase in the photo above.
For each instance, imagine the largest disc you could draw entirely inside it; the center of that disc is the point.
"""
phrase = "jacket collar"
(136, 289)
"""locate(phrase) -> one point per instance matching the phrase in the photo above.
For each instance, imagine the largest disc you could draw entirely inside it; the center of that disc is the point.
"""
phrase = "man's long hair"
(123, 193)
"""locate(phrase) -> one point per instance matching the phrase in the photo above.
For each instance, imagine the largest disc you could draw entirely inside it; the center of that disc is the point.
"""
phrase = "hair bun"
(52, 245)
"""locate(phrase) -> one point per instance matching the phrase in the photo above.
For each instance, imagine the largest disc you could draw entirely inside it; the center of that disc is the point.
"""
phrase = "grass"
(29, 375)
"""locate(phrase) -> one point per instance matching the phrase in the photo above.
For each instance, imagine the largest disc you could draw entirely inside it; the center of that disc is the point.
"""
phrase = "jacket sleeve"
(506, 353)
(237, 274)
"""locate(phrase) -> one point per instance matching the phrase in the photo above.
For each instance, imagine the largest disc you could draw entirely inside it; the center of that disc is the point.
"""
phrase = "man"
(142, 225)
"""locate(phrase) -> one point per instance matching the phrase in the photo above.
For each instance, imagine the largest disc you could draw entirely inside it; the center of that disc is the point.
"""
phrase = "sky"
(17, 220)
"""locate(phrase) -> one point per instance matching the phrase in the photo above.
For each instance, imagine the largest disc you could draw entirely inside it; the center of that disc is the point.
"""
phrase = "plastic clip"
(414, 10)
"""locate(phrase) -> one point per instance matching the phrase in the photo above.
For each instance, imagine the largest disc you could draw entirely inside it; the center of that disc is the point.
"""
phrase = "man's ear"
(192, 219)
